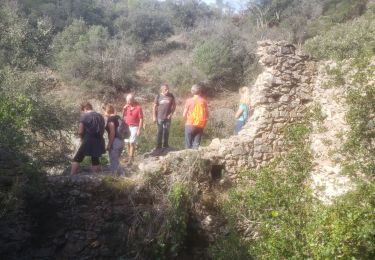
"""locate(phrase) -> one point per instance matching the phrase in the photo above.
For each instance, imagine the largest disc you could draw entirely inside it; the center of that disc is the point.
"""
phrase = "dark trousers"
(162, 135)
(193, 136)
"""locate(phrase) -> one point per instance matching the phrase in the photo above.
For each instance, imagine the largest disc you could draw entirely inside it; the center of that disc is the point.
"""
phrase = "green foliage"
(283, 220)
(183, 76)
(86, 54)
(361, 116)
(32, 124)
(62, 13)
(338, 11)
(277, 206)
(187, 13)
(22, 45)
(230, 247)
(145, 26)
(14, 113)
(172, 240)
(349, 40)
(220, 61)
(345, 229)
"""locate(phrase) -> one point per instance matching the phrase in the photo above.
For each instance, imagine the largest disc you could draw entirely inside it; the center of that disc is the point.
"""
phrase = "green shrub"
(356, 75)
(24, 110)
(349, 40)
(220, 61)
(88, 56)
(146, 26)
(22, 45)
(346, 229)
(172, 239)
(186, 13)
(183, 76)
(277, 207)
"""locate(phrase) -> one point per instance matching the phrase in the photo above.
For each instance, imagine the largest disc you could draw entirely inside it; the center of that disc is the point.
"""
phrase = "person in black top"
(115, 144)
(163, 109)
(91, 130)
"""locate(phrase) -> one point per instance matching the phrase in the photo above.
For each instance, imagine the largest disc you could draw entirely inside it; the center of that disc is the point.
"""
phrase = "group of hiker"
(125, 130)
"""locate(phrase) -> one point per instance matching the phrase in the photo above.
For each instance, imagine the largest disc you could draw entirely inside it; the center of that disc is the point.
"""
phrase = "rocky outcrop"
(329, 131)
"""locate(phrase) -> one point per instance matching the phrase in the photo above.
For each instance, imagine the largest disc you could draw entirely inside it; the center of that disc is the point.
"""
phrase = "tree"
(22, 45)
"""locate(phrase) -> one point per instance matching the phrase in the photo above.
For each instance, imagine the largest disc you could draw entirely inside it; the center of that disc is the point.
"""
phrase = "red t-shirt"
(133, 114)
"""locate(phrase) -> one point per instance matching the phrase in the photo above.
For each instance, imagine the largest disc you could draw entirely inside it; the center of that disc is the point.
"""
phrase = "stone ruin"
(280, 96)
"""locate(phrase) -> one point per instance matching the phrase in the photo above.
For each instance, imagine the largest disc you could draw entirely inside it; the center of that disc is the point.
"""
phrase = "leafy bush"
(87, 54)
(22, 45)
(32, 124)
(346, 228)
(277, 216)
(145, 26)
(183, 76)
(349, 40)
(221, 62)
(187, 13)
(174, 231)
(276, 209)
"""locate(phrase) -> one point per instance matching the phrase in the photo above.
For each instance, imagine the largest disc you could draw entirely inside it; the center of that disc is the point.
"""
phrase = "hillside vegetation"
(99, 47)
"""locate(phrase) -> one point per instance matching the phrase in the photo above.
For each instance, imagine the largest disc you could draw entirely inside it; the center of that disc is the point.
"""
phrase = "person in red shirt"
(133, 116)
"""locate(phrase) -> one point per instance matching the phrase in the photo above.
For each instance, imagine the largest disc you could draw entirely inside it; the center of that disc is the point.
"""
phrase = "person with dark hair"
(115, 144)
(163, 109)
(196, 115)
(91, 130)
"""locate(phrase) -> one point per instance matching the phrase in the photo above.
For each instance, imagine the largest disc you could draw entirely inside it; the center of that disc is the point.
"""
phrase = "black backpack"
(122, 131)
(95, 125)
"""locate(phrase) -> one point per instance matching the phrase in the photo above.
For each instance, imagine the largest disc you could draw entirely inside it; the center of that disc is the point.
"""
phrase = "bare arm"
(173, 108)
(154, 110)
(81, 130)
(184, 114)
(140, 127)
(112, 134)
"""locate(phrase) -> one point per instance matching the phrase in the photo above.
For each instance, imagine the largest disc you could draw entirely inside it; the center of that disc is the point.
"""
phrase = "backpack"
(95, 125)
(122, 131)
(199, 115)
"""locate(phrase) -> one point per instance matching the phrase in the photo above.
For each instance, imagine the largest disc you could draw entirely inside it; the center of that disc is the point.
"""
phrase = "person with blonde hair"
(115, 144)
(242, 113)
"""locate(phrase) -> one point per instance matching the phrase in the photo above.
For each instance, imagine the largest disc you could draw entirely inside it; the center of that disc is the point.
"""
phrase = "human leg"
(77, 159)
(166, 127)
(197, 136)
(159, 134)
(131, 142)
(74, 168)
(114, 156)
(95, 162)
(188, 136)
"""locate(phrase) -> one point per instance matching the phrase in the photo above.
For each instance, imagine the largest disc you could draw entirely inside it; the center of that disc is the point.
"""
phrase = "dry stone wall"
(280, 96)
